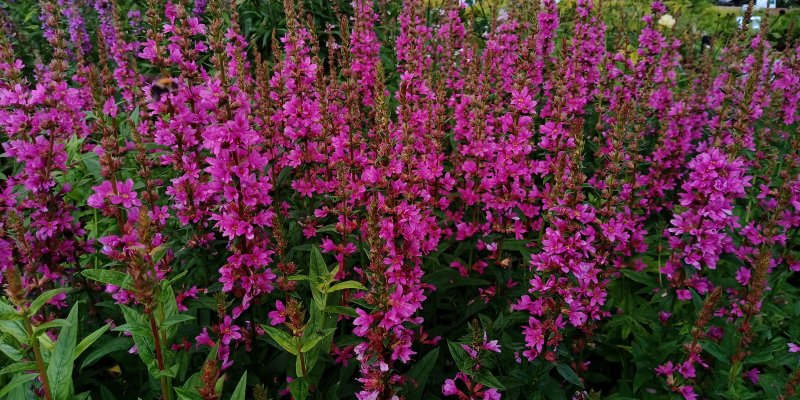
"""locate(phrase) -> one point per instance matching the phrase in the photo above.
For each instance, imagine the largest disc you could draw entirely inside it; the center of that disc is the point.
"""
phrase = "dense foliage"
(388, 200)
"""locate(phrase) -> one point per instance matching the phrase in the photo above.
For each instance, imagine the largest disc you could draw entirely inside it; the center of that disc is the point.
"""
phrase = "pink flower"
(110, 107)
(522, 101)
(101, 192)
(228, 331)
(472, 352)
(577, 318)
(583, 213)
(687, 369)
(449, 388)
(615, 231)
(402, 351)
(687, 392)
(665, 369)
(204, 339)
(793, 348)
(663, 316)
(125, 195)
(743, 276)
(183, 295)
(492, 394)
(362, 322)
(490, 345)
(279, 315)
(752, 375)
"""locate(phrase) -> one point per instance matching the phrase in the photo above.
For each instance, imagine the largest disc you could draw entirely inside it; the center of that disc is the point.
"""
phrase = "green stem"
(165, 392)
(302, 363)
(38, 354)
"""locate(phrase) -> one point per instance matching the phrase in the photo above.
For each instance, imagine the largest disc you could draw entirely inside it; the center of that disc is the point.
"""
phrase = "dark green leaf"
(346, 285)
(464, 362)
(299, 389)
(283, 339)
(420, 373)
(176, 319)
(142, 337)
(17, 367)
(109, 277)
(44, 298)
(342, 310)
(310, 341)
(17, 380)
(88, 340)
(92, 164)
(56, 323)
(317, 267)
(241, 387)
(567, 373)
(485, 377)
(715, 350)
(107, 347)
(639, 276)
(59, 370)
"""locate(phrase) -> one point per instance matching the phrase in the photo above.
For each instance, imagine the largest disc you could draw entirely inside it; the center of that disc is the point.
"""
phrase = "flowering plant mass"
(406, 203)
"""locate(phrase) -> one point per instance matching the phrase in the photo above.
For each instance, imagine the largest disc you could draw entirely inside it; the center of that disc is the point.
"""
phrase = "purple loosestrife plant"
(414, 201)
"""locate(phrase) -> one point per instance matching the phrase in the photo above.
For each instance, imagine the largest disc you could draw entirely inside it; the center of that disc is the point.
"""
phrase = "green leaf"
(640, 277)
(56, 323)
(420, 373)
(134, 117)
(551, 389)
(107, 347)
(17, 367)
(176, 319)
(11, 316)
(640, 378)
(189, 390)
(142, 337)
(283, 339)
(12, 327)
(167, 302)
(109, 277)
(10, 351)
(16, 381)
(92, 164)
(44, 298)
(83, 396)
(485, 377)
(324, 324)
(346, 285)
(241, 388)
(157, 253)
(567, 373)
(309, 342)
(59, 370)
(316, 266)
(168, 372)
(88, 340)
(341, 310)
(464, 362)
(715, 350)
(759, 358)
(177, 277)
(299, 389)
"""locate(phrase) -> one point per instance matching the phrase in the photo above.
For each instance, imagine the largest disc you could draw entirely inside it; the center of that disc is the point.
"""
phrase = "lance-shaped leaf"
(59, 370)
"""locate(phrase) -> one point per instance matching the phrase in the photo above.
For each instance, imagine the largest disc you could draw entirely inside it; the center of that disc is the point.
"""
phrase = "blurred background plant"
(264, 20)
